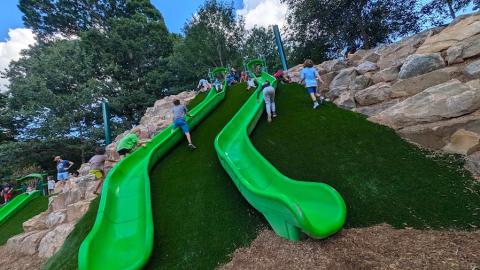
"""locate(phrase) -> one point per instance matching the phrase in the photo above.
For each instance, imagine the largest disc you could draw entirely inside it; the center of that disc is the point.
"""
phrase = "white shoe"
(315, 105)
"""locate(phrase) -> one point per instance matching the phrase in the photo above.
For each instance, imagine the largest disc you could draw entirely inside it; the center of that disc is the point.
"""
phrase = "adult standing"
(62, 168)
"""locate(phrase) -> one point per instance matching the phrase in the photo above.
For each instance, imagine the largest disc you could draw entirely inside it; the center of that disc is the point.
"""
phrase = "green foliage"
(337, 24)
(441, 10)
(260, 42)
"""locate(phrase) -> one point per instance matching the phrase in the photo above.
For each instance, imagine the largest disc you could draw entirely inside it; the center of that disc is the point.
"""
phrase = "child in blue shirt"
(309, 76)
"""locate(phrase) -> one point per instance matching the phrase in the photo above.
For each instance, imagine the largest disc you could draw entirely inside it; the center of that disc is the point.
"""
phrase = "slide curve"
(122, 236)
(16, 204)
(290, 206)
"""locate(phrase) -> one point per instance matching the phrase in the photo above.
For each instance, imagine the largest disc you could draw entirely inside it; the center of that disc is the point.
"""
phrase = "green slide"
(290, 206)
(122, 236)
(16, 204)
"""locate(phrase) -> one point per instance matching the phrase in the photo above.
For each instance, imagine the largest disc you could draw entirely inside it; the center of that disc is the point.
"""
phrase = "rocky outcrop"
(45, 233)
(374, 94)
(341, 82)
(418, 64)
(473, 70)
(463, 142)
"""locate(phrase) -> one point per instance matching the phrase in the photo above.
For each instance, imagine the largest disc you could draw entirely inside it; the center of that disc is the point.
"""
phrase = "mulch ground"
(378, 247)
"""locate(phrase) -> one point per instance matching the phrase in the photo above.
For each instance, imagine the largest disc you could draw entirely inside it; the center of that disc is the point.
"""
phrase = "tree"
(49, 18)
(6, 123)
(260, 42)
(439, 10)
(341, 23)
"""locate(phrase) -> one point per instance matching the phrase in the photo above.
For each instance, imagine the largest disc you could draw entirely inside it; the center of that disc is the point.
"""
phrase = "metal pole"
(281, 52)
(106, 122)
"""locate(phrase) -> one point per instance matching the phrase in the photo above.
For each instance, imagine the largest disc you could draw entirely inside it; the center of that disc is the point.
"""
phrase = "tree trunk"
(450, 9)
(361, 25)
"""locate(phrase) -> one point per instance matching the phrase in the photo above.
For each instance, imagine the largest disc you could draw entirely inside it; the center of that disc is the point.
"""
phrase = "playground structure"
(122, 236)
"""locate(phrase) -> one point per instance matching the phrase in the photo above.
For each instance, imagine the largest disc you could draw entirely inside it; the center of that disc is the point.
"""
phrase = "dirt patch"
(13, 261)
(378, 247)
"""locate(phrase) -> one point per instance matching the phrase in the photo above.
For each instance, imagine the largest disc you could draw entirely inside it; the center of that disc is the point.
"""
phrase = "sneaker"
(274, 115)
(315, 105)
(192, 147)
(269, 118)
(322, 100)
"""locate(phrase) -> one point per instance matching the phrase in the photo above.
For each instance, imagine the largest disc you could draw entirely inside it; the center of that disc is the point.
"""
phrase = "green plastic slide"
(290, 206)
(122, 236)
(16, 204)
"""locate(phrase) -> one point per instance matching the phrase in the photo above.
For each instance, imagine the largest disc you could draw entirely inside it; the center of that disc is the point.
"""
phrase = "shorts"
(181, 124)
(312, 90)
(7, 196)
(98, 173)
(62, 176)
(123, 151)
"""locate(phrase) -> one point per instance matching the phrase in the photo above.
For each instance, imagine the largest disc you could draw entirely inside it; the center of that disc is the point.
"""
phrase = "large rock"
(473, 69)
(53, 240)
(374, 94)
(332, 65)
(327, 79)
(345, 100)
(366, 67)
(26, 243)
(415, 85)
(456, 32)
(436, 135)
(396, 53)
(75, 211)
(56, 218)
(387, 75)
(463, 142)
(36, 223)
(360, 83)
(440, 102)
(418, 64)
(376, 108)
(371, 57)
(341, 82)
(473, 164)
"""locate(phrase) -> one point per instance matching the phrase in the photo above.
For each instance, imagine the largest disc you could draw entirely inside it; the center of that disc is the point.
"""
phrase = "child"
(7, 193)
(129, 143)
(51, 185)
(309, 76)
(203, 85)
(97, 163)
(269, 98)
(218, 83)
(243, 77)
(179, 112)
(281, 76)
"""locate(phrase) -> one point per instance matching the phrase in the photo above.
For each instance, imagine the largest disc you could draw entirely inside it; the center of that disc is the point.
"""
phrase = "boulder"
(473, 164)
(386, 75)
(53, 240)
(415, 85)
(358, 55)
(332, 65)
(36, 223)
(345, 100)
(454, 33)
(84, 169)
(371, 57)
(73, 196)
(341, 82)
(56, 218)
(376, 108)
(57, 202)
(26, 243)
(75, 211)
(473, 70)
(463, 142)
(436, 135)
(360, 83)
(366, 67)
(440, 102)
(395, 54)
(327, 79)
(418, 64)
(374, 94)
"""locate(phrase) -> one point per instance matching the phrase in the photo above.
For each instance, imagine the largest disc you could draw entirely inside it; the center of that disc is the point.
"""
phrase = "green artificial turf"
(381, 177)
(13, 225)
(67, 256)
(200, 217)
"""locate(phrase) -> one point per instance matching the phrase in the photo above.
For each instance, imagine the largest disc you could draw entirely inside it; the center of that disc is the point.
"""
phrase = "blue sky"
(176, 12)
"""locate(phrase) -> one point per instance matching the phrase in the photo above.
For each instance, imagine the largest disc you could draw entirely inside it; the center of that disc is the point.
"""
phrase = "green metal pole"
(106, 123)
(281, 52)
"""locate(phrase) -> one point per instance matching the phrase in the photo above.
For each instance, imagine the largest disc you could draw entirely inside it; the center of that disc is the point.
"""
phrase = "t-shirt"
(202, 83)
(97, 162)
(128, 142)
(179, 112)
(51, 184)
(309, 75)
(62, 166)
(278, 74)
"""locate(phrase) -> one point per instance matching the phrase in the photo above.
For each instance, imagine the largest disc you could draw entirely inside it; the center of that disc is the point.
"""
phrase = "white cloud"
(263, 13)
(19, 39)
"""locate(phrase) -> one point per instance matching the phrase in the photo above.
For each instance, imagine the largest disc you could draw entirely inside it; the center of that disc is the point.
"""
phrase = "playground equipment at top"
(290, 206)
(122, 236)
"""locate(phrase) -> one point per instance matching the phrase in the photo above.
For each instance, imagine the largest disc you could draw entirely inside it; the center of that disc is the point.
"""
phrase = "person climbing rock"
(129, 143)
(97, 163)
(179, 112)
(203, 85)
(309, 76)
(62, 168)
(269, 98)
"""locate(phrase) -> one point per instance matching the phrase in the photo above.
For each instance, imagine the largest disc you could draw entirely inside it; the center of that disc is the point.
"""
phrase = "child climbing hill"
(179, 112)
(309, 76)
